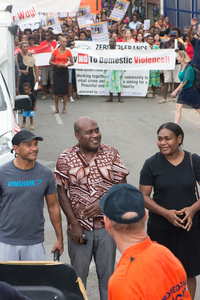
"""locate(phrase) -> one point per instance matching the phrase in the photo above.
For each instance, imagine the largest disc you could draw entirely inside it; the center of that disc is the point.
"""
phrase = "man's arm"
(94, 209)
(76, 231)
(190, 30)
(55, 216)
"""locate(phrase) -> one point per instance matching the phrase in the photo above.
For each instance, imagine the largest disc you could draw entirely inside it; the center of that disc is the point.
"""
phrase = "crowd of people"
(161, 35)
(102, 210)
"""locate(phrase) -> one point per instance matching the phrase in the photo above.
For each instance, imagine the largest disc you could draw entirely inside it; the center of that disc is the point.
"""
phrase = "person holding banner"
(59, 60)
(154, 75)
(47, 71)
(129, 36)
(113, 78)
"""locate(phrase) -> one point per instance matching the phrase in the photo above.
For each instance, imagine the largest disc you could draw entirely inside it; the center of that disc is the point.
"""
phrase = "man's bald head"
(80, 122)
(88, 135)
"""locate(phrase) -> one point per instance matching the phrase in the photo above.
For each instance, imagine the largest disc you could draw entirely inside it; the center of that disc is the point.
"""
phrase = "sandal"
(64, 112)
(55, 112)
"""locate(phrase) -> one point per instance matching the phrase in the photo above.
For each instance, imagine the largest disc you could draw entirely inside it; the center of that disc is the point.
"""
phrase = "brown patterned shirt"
(87, 181)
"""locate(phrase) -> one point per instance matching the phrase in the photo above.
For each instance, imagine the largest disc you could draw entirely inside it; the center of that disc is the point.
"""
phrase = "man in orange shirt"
(146, 270)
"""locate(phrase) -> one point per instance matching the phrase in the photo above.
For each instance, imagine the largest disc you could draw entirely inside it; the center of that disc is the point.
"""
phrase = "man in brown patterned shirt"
(84, 173)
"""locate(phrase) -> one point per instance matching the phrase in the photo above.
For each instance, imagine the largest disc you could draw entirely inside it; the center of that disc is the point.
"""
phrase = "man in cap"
(146, 270)
(84, 173)
(88, 34)
(23, 185)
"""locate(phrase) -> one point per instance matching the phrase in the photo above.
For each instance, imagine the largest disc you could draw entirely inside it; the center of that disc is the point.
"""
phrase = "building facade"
(180, 12)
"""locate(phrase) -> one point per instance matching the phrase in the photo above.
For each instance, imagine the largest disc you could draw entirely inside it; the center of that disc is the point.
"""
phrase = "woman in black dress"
(27, 73)
(173, 207)
(59, 60)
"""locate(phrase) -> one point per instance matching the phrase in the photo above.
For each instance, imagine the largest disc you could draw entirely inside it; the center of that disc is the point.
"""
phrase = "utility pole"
(130, 10)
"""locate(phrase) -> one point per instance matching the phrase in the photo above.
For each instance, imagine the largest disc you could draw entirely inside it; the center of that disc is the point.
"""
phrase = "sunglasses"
(46, 34)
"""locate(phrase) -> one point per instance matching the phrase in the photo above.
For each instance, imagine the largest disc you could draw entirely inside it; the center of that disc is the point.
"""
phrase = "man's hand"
(58, 245)
(76, 233)
(194, 21)
(93, 210)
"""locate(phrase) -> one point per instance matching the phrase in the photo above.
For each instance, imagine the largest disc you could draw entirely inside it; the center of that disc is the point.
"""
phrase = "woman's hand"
(61, 65)
(172, 216)
(24, 72)
(189, 214)
(173, 94)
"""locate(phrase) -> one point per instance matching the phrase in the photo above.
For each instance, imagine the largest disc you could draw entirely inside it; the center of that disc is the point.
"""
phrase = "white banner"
(48, 5)
(105, 45)
(25, 14)
(91, 82)
(163, 59)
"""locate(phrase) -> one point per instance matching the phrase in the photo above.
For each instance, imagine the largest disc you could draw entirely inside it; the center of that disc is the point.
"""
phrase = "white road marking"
(58, 118)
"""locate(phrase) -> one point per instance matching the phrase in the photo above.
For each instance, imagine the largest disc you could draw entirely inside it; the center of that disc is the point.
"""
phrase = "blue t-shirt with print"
(22, 201)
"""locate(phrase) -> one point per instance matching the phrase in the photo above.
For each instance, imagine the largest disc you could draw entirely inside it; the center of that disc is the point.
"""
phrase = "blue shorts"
(28, 113)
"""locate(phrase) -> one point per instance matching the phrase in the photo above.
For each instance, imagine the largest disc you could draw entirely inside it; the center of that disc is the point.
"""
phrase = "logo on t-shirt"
(24, 183)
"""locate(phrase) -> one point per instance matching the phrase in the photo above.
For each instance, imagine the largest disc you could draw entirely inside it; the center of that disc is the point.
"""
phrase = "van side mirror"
(22, 102)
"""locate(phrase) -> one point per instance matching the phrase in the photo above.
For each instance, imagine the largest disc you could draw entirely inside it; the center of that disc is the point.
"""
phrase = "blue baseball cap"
(172, 33)
(120, 199)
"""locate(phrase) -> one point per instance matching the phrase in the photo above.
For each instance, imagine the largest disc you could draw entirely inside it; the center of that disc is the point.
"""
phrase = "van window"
(3, 105)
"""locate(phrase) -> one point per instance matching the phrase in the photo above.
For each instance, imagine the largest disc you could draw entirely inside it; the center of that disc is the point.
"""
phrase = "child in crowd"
(30, 112)
(154, 75)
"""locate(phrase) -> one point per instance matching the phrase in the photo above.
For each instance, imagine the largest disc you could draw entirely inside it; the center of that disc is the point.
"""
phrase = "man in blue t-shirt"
(23, 185)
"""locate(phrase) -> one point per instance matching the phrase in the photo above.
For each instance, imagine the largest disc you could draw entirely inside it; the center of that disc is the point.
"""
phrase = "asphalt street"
(130, 127)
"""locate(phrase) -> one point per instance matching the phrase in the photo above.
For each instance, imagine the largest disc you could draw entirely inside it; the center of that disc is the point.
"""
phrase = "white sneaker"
(71, 99)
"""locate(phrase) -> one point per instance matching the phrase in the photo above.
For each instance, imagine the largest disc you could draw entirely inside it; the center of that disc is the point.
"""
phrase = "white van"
(8, 102)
